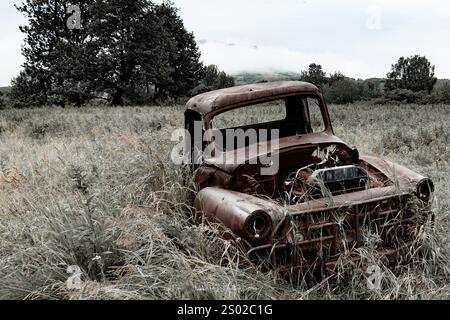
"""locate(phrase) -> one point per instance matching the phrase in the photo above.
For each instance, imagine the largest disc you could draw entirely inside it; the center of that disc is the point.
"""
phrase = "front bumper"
(330, 230)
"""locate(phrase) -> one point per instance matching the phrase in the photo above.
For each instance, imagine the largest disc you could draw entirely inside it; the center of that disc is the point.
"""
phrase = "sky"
(361, 39)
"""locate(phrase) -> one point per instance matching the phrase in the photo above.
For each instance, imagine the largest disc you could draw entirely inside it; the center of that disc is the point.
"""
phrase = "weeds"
(99, 192)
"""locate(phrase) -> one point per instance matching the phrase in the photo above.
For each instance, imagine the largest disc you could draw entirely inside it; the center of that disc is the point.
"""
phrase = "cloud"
(252, 58)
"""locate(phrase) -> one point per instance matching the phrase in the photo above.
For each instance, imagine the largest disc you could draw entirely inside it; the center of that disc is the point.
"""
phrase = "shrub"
(441, 92)
(403, 95)
(38, 130)
(396, 140)
(343, 91)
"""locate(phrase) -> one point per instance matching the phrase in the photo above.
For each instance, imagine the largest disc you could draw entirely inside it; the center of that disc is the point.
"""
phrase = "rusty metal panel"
(421, 185)
(328, 233)
(247, 216)
(219, 100)
(231, 160)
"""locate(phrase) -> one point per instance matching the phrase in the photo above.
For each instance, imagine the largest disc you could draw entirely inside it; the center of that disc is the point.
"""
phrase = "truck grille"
(321, 236)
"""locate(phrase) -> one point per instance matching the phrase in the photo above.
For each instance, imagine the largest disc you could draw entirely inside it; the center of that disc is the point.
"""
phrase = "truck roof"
(218, 100)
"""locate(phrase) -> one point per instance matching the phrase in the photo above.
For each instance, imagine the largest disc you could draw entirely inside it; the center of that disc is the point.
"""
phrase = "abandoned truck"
(321, 203)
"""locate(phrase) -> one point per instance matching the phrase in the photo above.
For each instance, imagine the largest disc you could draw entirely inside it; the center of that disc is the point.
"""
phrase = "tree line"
(411, 80)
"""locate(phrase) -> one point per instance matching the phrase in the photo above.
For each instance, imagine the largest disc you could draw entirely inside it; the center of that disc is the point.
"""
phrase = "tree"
(216, 79)
(122, 47)
(56, 57)
(224, 81)
(183, 57)
(343, 91)
(315, 75)
(211, 74)
(129, 36)
(414, 73)
(335, 77)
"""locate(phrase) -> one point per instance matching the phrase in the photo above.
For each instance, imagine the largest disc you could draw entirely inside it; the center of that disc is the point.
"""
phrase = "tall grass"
(95, 188)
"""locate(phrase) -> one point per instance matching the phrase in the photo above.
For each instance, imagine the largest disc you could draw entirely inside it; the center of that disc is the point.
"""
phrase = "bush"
(395, 140)
(27, 92)
(371, 89)
(343, 91)
(404, 95)
(4, 100)
(441, 92)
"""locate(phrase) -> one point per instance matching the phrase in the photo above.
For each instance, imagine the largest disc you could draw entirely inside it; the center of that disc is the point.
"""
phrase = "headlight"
(259, 225)
(425, 189)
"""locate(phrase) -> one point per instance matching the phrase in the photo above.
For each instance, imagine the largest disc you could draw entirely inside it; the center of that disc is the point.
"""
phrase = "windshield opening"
(290, 116)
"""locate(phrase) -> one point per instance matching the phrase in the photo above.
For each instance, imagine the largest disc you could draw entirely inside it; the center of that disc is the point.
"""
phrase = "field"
(95, 188)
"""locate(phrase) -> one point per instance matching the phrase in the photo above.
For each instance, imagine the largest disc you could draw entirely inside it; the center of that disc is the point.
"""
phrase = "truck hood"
(229, 161)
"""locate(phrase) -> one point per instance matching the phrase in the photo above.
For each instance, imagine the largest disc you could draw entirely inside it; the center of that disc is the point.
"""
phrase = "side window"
(315, 114)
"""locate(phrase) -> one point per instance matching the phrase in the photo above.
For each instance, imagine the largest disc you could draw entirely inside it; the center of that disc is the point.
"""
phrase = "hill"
(253, 77)
(5, 89)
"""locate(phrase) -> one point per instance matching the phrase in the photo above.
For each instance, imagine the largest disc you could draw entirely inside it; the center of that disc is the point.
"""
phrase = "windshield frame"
(208, 118)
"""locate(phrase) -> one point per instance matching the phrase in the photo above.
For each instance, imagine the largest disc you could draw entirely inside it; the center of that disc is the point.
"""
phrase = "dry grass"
(95, 188)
